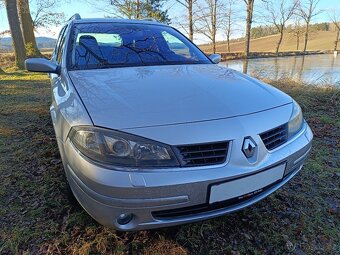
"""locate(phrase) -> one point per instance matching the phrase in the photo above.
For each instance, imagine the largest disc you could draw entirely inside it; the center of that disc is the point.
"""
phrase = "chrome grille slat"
(199, 151)
(282, 133)
(275, 137)
(202, 154)
(269, 142)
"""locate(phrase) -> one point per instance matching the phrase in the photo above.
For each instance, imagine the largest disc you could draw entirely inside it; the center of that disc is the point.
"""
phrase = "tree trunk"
(138, 10)
(250, 7)
(18, 41)
(214, 45)
(191, 24)
(336, 40)
(279, 42)
(27, 28)
(228, 41)
(297, 42)
(245, 66)
(229, 30)
(129, 9)
(301, 68)
(306, 38)
(213, 26)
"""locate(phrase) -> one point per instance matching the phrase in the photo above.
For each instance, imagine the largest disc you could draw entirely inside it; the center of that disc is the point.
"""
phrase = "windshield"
(105, 45)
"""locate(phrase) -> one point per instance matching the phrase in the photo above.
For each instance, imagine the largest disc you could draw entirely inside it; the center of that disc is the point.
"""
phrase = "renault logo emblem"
(249, 147)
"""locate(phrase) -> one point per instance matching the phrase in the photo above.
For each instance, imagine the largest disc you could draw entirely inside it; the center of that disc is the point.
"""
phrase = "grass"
(39, 217)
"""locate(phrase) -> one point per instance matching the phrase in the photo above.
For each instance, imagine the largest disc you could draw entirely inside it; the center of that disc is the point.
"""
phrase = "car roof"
(114, 20)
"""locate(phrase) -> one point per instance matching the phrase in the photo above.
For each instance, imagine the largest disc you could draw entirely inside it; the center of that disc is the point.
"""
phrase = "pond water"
(321, 69)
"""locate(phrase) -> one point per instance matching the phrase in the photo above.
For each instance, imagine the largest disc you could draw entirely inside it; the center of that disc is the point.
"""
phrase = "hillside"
(321, 40)
(43, 42)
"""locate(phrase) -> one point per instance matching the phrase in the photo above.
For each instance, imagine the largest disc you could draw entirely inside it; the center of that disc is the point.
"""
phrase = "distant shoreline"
(240, 55)
(6, 58)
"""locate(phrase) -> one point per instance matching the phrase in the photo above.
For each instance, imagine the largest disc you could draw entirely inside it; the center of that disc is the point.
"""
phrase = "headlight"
(296, 120)
(120, 149)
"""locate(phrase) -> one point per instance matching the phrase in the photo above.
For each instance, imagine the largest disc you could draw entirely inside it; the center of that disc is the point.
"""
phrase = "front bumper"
(149, 195)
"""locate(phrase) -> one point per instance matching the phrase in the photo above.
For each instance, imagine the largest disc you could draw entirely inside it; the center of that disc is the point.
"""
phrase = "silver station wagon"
(153, 133)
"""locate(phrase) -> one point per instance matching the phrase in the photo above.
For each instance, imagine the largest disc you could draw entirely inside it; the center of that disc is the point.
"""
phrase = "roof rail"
(75, 17)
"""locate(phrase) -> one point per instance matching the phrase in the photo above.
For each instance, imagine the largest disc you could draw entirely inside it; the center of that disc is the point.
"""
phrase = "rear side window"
(108, 45)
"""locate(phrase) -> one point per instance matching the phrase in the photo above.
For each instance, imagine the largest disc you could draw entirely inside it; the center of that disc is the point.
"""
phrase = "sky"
(86, 10)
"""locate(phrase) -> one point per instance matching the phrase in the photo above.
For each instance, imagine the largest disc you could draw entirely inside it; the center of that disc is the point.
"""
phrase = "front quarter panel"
(67, 109)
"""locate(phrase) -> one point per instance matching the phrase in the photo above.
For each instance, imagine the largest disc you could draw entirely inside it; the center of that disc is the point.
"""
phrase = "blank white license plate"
(242, 186)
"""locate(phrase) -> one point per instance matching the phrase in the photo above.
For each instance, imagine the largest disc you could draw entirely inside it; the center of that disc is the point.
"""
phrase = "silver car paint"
(131, 97)
(67, 109)
(105, 193)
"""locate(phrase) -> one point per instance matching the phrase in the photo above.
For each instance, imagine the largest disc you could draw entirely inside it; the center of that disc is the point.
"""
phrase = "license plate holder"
(245, 185)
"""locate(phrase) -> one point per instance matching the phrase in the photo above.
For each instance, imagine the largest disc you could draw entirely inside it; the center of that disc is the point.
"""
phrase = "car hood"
(132, 97)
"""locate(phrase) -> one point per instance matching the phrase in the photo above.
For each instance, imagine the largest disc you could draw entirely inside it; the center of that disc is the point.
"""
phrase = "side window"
(61, 47)
(176, 45)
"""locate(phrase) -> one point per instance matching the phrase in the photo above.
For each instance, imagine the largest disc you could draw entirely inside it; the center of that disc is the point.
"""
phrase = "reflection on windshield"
(107, 45)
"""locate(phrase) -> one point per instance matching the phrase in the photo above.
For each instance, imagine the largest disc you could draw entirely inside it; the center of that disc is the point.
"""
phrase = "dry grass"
(321, 40)
(164, 246)
(6, 131)
(7, 59)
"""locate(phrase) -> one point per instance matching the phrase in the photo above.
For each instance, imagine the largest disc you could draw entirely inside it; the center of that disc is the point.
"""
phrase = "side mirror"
(215, 58)
(41, 65)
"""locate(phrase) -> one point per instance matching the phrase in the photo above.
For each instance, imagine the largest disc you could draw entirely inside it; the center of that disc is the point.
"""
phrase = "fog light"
(124, 218)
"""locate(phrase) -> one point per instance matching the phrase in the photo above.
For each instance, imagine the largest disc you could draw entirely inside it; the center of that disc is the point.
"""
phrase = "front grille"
(275, 137)
(202, 154)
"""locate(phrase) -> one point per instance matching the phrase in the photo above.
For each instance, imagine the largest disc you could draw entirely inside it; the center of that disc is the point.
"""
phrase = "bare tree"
(250, 10)
(45, 14)
(279, 13)
(1, 34)
(133, 9)
(229, 19)
(18, 41)
(297, 30)
(208, 21)
(189, 4)
(27, 28)
(307, 11)
(334, 16)
(123, 8)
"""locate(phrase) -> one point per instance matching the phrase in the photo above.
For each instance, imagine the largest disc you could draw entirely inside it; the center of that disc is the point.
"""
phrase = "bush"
(31, 51)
